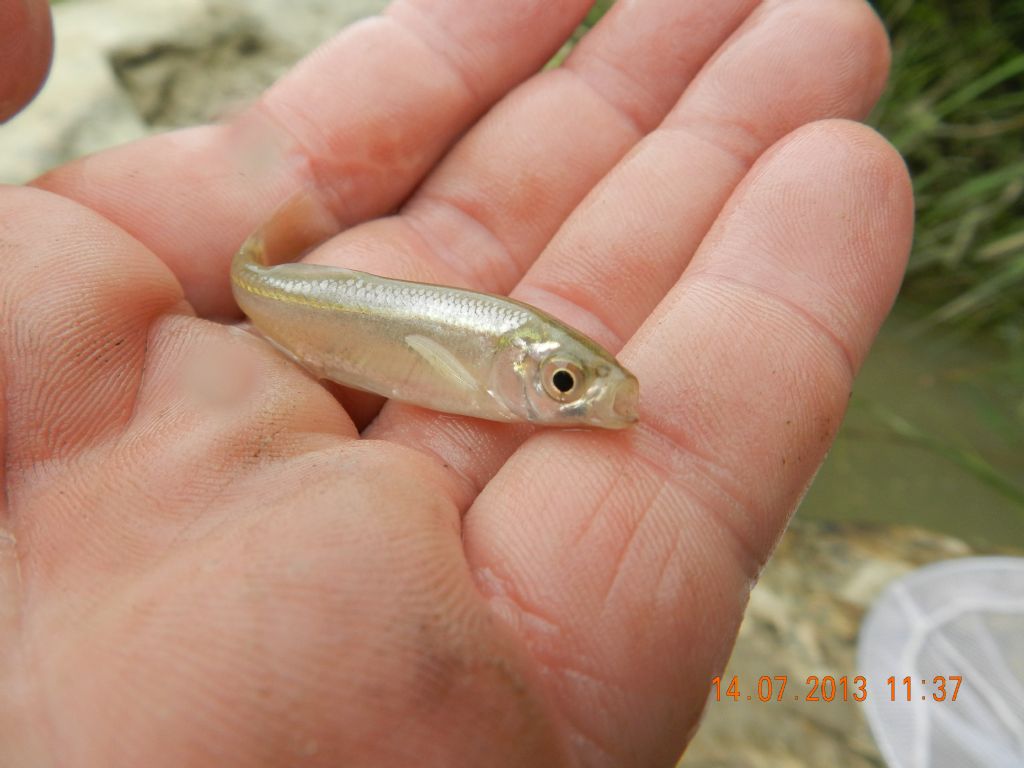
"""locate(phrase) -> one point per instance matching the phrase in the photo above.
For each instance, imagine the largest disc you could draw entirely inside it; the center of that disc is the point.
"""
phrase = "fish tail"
(298, 225)
(252, 253)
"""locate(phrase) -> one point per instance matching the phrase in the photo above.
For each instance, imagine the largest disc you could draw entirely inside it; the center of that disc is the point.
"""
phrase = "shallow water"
(934, 437)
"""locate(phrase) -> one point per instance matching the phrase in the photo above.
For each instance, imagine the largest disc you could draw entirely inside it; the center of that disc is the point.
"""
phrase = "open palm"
(207, 558)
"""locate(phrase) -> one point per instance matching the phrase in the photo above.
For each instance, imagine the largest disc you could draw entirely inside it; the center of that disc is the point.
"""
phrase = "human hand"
(203, 561)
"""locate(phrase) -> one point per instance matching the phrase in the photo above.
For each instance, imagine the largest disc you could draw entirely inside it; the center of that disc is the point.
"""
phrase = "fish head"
(561, 378)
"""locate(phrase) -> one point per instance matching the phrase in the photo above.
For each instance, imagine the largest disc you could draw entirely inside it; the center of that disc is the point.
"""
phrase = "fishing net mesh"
(960, 618)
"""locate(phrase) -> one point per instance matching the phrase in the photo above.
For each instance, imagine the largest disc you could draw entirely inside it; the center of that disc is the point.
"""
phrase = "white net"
(956, 619)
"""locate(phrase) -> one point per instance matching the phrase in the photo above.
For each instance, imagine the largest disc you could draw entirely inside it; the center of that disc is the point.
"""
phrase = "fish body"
(443, 348)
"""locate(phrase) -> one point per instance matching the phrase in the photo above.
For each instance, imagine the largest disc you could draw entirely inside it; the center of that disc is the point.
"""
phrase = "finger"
(485, 213)
(361, 120)
(26, 44)
(628, 582)
(516, 177)
(766, 83)
(625, 246)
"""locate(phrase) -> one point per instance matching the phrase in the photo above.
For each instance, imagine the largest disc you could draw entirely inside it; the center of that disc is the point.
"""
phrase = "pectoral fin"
(442, 361)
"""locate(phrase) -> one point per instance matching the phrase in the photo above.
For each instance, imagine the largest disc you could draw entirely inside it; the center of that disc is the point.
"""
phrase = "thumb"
(26, 45)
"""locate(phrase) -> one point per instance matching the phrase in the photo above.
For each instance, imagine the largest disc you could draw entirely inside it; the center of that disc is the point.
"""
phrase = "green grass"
(894, 428)
(955, 110)
(594, 15)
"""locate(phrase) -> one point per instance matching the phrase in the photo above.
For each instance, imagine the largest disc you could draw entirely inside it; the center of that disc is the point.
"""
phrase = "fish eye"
(562, 380)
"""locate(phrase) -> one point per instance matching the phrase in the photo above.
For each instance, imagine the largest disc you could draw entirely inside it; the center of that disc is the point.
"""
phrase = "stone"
(125, 69)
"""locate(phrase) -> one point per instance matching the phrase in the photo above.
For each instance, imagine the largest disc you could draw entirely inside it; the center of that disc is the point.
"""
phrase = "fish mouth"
(619, 405)
(627, 401)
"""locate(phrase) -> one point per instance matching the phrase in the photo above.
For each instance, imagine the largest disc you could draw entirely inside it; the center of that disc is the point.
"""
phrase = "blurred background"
(935, 434)
(930, 461)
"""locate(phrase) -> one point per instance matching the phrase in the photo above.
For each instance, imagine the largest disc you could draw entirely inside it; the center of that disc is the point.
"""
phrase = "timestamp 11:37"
(817, 688)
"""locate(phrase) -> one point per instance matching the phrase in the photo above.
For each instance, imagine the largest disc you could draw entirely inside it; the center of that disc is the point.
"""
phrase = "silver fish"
(442, 348)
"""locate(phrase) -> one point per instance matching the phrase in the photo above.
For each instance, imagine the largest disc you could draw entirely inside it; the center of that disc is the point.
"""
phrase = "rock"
(198, 75)
(803, 620)
(124, 69)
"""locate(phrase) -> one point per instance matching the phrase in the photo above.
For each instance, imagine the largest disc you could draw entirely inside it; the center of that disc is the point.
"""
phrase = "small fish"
(446, 349)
